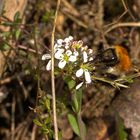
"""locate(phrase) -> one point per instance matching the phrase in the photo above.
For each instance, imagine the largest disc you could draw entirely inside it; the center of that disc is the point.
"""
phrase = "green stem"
(81, 126)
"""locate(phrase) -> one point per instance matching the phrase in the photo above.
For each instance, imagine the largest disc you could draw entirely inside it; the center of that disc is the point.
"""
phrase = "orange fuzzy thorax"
(124, 60)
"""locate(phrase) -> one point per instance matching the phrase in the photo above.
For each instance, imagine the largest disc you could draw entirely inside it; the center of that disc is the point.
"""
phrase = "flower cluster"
(72, 55)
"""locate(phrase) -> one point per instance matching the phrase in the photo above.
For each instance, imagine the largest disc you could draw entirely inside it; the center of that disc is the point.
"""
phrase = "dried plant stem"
(52, 73)
(127, 8)
(125, 24)
(113, 83)
(13, 119)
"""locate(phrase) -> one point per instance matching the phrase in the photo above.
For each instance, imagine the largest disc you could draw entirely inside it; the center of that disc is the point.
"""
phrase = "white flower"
(46, 56)
(85, 57)
(86, 73)
(79, 85)
(59, 54)
(48, 66)
(84, 48)
(90, 51)
(68, 39)
(90, 54)
(79, 72)
(90, 59)
(72, 58)
(68, 52)
(76, 53)
(62, 64)
(58, 45)
(65, 57)
(87, 76)
(60, 41)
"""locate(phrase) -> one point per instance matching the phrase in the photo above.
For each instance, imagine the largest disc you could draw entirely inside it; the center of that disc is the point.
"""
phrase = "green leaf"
(73, 122)
(5, 34)
(4, 47)
(59, 135)
(37, 122)
(122, 135)
(47, 16)
(79, 97)
(71, 84)
(17, 16)
(77, 100)
(48, 104)
(66, 79)
(45, 129)
(6, 23)
(75, 104)
(82, 126)
(17, 33)
(130, 80)
(47, 120)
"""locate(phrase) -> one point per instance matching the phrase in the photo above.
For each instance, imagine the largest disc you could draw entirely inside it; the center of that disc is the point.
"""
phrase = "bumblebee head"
(117, 57)
(107, 57)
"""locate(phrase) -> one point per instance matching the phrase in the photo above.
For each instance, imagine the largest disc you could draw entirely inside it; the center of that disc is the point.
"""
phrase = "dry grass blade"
(125, 24)
(52, 73)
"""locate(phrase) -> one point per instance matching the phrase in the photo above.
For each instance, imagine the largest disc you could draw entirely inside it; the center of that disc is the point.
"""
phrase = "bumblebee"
(113, 59)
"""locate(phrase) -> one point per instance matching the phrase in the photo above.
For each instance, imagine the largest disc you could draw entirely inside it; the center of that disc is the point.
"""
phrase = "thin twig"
(13, 118)
(125, 24)
(76, 20)
(124, 5)
(25, 92)
(52, 73)
(70, 8)
(28, 49)
(117, 20)
(9, 79)
(113, 83)
(127, 8)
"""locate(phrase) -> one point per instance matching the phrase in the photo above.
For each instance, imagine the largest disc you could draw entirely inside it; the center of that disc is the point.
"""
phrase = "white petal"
(67, 46)
(79, 72)
(46, 56)
(75, 53)
(91, 58)
(55, 45)
(58, 55)
(67, 40)
(79, 85)
(85, 57)
(70, 38)
(90, 51)
(80, 42)
(82, 48)
(60, 41)
(86, 47)
(60, 50)
(48, 67)
(87, 77)
(68, 52)
(72, 58)
(62, 64)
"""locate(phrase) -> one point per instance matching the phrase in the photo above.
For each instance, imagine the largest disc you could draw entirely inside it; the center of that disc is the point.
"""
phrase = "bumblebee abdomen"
(124, 59)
